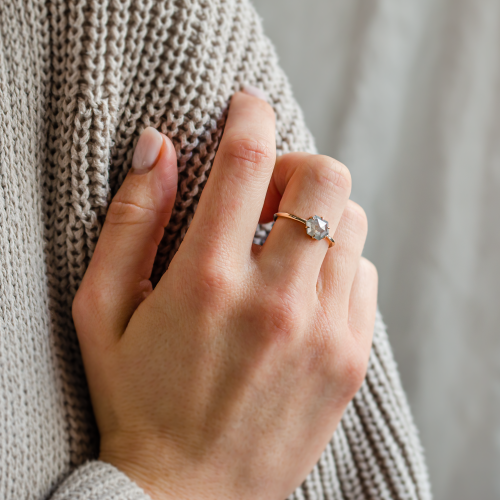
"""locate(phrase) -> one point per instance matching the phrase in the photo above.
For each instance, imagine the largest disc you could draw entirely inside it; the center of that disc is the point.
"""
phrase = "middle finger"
(230, 205)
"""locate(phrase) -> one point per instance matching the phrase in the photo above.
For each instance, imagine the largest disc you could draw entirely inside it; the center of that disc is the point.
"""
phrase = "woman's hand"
(228, 380)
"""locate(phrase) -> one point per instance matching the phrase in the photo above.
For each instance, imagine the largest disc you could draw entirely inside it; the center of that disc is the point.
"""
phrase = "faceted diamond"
(317, 227)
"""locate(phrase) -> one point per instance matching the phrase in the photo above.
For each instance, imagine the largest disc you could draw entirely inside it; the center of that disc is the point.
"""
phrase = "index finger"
(231, 203)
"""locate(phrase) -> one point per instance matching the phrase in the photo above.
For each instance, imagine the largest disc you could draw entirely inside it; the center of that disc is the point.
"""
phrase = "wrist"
(164, 474)
(147, 469)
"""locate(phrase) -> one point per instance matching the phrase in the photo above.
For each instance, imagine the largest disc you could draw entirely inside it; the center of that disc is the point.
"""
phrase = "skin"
(228, 380)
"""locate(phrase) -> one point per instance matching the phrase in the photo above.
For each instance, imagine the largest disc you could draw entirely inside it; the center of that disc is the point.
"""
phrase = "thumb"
(117, 279)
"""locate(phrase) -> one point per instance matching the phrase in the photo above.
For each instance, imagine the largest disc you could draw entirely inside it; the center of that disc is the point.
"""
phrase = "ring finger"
(309, 185)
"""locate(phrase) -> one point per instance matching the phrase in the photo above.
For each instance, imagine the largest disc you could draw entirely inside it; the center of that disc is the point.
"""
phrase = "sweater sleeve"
(98, 480)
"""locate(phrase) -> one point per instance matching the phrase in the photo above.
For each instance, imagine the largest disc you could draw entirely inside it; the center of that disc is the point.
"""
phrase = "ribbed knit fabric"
(97, 481)
(79, 81)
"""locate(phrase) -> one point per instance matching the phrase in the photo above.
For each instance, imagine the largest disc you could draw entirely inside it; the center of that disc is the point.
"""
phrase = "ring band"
(316, 227)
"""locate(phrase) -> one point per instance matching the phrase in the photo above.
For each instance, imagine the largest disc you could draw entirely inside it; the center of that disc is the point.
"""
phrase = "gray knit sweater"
(79, 81)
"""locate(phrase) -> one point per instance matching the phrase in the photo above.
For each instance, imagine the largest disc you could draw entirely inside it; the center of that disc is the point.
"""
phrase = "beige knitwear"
(79, 82)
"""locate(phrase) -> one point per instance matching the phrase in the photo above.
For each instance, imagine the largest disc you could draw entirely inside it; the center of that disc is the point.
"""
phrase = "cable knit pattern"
(79, 82)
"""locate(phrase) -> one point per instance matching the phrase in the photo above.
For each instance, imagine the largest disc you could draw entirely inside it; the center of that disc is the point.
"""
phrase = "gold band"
(319, 235)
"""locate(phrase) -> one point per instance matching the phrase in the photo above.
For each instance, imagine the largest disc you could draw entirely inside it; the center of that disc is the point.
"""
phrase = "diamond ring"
(316, 227)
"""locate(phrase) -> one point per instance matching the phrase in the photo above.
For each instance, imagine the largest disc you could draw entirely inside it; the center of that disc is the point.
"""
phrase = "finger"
(340, 267)
(363, 302)
(230, 205)
(117, 279)
(309, 185)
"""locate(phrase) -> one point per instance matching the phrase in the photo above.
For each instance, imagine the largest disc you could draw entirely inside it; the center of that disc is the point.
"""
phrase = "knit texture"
(99, 481)
(79, 82)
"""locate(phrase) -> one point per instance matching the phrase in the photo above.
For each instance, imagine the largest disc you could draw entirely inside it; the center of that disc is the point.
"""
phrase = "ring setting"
(316, 227)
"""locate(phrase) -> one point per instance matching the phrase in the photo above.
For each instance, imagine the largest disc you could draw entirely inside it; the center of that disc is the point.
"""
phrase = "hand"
(228, 380)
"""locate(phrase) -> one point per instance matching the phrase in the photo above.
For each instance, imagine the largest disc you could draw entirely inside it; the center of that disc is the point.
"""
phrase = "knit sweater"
(79, 81)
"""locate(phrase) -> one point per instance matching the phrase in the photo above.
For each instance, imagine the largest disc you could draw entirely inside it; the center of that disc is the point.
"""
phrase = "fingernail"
(256, 92)
(147, 151)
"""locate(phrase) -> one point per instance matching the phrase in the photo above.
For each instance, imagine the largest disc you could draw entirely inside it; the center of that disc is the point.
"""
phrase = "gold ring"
(316, 227)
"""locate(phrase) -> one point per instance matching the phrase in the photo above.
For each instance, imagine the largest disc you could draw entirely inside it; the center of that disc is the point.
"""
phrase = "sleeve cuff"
(98, 480)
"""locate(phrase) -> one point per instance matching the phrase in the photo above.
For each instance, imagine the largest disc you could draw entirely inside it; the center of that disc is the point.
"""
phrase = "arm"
(376, 434)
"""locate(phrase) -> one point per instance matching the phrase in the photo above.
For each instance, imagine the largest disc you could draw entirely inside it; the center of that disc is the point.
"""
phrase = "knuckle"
(340, 359)
(90, 297)
(248, 154)
(91, 301)
(369, 270)
(215, 280)
(353, 373)
(329, 172)
(281, 317)
(356, 217)
(214, 284)
(125, 212)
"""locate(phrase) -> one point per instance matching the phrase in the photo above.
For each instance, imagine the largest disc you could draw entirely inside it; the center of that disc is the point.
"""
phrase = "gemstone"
(317, 227)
